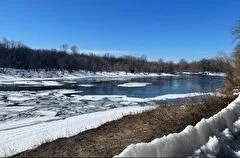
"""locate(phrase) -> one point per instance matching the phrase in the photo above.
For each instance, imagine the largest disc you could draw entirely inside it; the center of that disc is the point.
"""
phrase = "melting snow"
(191, 138)
(17, 136)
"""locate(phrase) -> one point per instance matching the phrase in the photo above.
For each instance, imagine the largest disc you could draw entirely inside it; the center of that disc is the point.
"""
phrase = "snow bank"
(18, 136)
(210, 149)
(32, 75)
(190, 139)
(215, 74)
(134, 84)
(205, 73)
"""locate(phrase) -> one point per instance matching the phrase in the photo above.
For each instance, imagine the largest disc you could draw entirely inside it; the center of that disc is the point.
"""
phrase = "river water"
(64, 98)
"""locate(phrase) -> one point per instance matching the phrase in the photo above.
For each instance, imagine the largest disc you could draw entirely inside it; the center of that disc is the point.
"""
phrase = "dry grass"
(112, 137)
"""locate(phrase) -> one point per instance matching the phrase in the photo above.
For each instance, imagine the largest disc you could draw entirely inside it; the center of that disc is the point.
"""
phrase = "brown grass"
(112, 137)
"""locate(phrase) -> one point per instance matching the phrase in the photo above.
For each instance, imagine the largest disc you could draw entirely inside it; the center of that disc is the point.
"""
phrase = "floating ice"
(51, 83)
(27, 82)
(168, 74)
(20, 98)
(134, 84)
(16, 108)
(86, 85)
(45, 113)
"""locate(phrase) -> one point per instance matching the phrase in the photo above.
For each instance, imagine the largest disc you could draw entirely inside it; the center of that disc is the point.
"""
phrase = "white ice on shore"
(17, 136)
(12, 75)
(210, 149)
(215, 74)
(134, 84)
(205, 73)
(191, 138)
(124, 98)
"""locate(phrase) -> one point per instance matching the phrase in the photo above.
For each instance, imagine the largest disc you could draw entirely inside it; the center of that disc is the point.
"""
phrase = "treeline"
(232, 82)
(17, 55)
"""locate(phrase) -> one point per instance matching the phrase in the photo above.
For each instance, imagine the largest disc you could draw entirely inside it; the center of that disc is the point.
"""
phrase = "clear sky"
(168, 29)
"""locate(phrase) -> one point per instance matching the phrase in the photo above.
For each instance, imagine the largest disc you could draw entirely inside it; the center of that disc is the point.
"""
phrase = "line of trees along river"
(17, 55)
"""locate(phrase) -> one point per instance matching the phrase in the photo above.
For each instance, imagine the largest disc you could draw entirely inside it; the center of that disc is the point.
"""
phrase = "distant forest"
(17, 55)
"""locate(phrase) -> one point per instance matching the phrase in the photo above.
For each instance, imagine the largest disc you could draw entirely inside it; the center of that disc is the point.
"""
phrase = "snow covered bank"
(190, 139)
(205, 73)
(26, 75)
(18, 75)
(134, 84)
(18, 136)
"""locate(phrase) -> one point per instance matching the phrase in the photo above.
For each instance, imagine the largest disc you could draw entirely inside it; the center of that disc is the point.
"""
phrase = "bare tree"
(64, 47)
(74, 49)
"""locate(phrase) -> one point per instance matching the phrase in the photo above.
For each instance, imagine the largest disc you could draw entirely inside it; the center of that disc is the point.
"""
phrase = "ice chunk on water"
(86, 85)
(134, 84)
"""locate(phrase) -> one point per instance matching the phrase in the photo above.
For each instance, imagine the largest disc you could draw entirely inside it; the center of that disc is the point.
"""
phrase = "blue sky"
(168, 29)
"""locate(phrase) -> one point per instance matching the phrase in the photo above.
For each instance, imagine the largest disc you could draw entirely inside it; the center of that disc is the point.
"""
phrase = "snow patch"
(18, 136)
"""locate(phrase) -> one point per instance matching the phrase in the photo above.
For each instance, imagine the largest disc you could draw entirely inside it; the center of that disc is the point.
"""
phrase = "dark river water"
(158, 86)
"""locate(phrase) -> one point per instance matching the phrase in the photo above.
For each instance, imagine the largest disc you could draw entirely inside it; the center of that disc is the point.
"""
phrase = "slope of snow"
(191, 138)
(134, 84)
(17, 136)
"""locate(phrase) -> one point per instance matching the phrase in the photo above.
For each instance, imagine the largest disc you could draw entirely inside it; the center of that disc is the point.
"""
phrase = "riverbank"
(112, 137)
(11, 75)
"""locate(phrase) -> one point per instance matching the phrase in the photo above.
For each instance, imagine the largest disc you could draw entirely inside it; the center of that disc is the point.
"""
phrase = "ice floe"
(19, 98)
(16, 108)
(86, 85)
(51, 83)
(134, 84)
